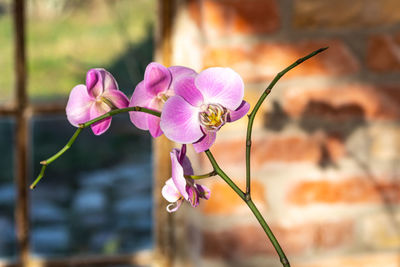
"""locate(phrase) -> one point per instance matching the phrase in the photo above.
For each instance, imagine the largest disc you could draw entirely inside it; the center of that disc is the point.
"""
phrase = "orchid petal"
(203, 191)
(184, 161)
(153, 123)
(205, 142)
(180, 121)
(185, 88)
(109, 82)
(157, 78)
(92, 79)
(78, 106)
(97, 110)
(239, 112)
(179, 72)
(221, 86)
(117, 97)
(98, 81)
(193, 197)
(170, 192)
(141, 98)
(174, 206)
(182, 153)
(177, 174)
(94, 82)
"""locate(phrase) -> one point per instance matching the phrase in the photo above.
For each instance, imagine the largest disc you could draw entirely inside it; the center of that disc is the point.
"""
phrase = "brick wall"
(326, 143)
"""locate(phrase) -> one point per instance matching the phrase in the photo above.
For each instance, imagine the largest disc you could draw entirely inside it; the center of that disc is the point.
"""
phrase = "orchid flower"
(202, 105)
(153, 91)
(97, 97)
(179, 187)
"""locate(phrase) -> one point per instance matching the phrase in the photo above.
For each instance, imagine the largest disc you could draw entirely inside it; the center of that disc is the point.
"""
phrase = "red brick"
(250, 240)
(286, 149)
(335, 147)
(366, 259)
(383, 53)
(262, 61)
(351, 190)
(339, 14)
(194, 8)
(229, 17)
(277, 148)
(334, 234)
(225, 201)
(246, 241)
(340, 103)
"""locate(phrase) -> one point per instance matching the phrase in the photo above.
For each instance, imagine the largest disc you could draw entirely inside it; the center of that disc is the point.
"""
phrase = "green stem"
(268, 231)
(117, 111)
(202, 176)
(258, 104)
(252, 207)
(223, 175)
(48, 161)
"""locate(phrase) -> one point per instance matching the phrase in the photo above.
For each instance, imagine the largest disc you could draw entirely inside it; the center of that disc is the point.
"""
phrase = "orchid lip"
(213, 116)
(107, 101)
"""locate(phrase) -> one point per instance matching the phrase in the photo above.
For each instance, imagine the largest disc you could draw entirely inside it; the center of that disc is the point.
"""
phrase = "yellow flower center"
(163, 97)
(213, 116)
(108, 102)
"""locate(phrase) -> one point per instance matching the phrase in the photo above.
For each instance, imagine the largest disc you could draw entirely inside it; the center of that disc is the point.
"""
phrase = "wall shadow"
(341, 122)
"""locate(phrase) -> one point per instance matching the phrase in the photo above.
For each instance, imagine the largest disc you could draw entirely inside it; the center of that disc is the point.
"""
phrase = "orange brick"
(262, 61)
(277, 148)
(286, 149)
(352, 190)
(249, 240)
(194, 8)
(334, 234)
(382, 53)
(335, 147)
(229, 17)
(339, 14)
(225, 201)
(368, 259)
(354, 101)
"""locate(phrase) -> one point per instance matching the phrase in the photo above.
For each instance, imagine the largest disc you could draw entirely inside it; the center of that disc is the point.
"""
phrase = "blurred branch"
(48, 161)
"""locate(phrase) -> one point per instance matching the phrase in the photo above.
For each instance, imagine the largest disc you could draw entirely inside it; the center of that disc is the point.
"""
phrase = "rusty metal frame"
(164, 224)
(22, 112)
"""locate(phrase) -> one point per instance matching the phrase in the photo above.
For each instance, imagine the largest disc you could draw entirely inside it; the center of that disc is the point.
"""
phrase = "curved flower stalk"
(179, 187)
(202, 105)
(97, 97)
(196, 107)
(157, 86)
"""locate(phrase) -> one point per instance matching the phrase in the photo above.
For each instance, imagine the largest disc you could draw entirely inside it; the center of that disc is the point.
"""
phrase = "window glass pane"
(96, 198)
(6, 51)
(7, 191)
(66, 38)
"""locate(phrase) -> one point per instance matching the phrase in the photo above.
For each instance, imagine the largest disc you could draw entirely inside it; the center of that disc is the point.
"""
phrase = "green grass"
(61, 48)
(6, 56)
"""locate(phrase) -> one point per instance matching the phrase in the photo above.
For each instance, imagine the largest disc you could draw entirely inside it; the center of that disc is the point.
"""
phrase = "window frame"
(22, 112)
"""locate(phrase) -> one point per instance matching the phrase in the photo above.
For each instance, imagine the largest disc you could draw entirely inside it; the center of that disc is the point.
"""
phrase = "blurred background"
(326, 142)
(97, 199)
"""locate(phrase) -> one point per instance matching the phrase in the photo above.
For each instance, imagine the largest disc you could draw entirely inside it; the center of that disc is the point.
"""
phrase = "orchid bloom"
(97, 97)
(152, 92)
(178, 187)
(202, 105)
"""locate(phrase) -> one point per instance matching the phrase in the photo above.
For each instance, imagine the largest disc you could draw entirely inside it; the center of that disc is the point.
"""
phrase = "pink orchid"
(98, 96)
(178, 187)
(157, 86)
(202, 105)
